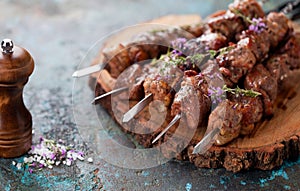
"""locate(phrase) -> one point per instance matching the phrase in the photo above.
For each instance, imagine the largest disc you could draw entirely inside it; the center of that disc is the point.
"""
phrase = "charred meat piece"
(249, 8)
(260, 80)
(251, 109)
(162, 84)
(192, 99)
(235, 116)
(259, 44)
(288, 58)
(117, 59)
(131, 78)
(228, 118)
(292, 49)
(196, 30)
(229, 23)
(160, 89)
(236, 62)
(277, 27)
(208, 41)
(278, 67)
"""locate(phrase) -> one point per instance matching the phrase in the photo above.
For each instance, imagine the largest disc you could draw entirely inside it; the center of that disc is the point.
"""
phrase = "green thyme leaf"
(243, 92)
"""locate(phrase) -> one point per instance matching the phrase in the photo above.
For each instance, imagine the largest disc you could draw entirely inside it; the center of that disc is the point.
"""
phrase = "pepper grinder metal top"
(7, 46)
(16, 65)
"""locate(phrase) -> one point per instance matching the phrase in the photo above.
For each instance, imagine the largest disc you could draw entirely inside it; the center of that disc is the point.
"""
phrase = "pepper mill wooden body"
(16, 65)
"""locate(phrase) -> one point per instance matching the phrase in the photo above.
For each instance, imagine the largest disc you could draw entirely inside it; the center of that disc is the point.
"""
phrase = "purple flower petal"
(80, 153)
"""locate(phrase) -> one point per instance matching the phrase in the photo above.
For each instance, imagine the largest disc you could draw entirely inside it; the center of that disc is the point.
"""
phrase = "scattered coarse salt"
(80, 157)
(90, 160)
(19, 166)
(69, 162)
(48, 153)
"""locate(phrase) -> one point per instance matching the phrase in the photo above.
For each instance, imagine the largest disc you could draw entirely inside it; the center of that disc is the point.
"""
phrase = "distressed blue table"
(59, 34)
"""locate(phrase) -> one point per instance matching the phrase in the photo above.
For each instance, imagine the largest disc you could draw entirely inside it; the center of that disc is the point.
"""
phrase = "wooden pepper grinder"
(16, 65)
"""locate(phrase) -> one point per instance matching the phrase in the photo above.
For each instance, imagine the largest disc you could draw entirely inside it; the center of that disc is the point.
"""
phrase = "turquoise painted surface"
(58, 34)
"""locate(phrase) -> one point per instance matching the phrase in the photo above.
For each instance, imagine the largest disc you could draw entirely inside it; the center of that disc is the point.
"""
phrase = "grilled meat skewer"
(242, 113)
(241, 58)
(234, 70)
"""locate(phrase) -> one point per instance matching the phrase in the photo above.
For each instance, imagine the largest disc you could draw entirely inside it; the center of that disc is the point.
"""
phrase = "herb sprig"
(217, 94)
(242, 92)
(256, 24)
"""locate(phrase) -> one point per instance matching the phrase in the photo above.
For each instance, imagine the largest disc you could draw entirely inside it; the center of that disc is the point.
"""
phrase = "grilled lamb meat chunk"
(192, 99)
(235, 116)
(131, 78)
(249, 8)
(277, 27)
(292, 49)
(259, 44)
(228, 23)
(277, 66)
(287, 59)
(163, 84)
(228, 118)
(196, 29)
(263, 79)
(236, 62)
(260, 80)
(117, 59)
(251, 109)
(208, 41)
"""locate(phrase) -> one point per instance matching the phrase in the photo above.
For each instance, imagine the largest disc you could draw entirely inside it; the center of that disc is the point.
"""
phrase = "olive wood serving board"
(273, 140)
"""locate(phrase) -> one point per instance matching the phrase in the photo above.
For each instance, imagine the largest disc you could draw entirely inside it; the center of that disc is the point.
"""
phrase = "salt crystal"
(90, 160)
(69, 162)
(19, 165)
(80, 157)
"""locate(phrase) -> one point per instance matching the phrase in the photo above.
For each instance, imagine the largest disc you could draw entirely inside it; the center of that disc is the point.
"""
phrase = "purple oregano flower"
(257, 25)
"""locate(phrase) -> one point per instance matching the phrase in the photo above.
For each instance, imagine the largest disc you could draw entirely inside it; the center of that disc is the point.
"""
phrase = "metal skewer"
(119, 90)
(207, 141)
(137, 108)
(87, 71)
(174, 120)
